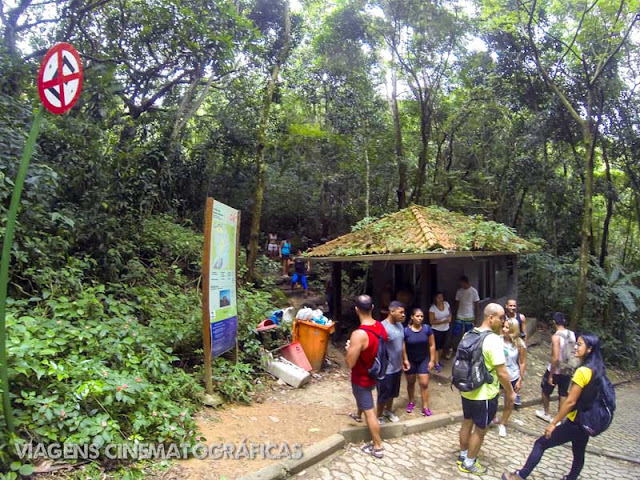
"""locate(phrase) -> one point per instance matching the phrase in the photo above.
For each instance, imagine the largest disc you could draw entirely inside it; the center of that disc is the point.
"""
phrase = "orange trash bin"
(314, 339)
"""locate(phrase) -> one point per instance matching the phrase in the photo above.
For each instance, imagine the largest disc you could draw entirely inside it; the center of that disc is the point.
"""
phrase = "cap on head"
(364, 303)
(558, 319)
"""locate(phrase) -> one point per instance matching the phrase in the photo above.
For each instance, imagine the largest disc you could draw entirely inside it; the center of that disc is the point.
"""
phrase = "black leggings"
(566, 432)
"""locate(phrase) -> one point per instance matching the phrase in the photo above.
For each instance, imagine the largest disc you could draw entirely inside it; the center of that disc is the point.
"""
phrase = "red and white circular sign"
(60, 78)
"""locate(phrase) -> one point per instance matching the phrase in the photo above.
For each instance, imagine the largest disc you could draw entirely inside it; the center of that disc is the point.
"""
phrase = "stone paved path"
(431, 455)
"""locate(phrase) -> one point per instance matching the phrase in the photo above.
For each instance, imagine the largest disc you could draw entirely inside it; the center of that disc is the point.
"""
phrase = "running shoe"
(511, 476)
(381, 420)
(502, 430)
(391, 416)
(518, 402)
(438, 368)
(355, 417)
(475, 469)
(375, 452)
(541, 414)
(410, 407)
(460, 460)
(426, 412)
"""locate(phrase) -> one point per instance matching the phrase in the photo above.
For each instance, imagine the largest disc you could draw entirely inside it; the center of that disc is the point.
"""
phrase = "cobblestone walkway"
(432, 455)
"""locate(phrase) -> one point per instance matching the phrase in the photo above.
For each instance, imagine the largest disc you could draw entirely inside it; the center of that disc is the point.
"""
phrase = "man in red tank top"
(361, 352)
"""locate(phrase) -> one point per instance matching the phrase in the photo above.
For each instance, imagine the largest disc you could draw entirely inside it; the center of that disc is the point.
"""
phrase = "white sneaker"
(391, 416)
(502, 430)
(544, 416)
(381, 420)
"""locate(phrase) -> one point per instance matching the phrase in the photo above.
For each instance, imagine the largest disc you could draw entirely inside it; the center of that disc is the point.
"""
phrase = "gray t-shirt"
(395, 334)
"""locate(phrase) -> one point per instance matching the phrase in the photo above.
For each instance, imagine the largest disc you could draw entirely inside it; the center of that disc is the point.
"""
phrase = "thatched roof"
(423, 232)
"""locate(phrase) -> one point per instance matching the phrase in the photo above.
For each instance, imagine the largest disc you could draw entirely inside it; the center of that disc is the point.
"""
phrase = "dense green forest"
(308, 117)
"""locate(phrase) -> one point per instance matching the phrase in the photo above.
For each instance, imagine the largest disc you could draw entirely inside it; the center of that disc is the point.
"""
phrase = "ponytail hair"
(594, 359)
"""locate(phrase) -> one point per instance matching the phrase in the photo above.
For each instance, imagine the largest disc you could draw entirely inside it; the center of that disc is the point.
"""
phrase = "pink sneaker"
(426, 412)
(410, 407)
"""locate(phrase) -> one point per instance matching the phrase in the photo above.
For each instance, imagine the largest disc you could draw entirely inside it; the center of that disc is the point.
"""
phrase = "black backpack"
(469, 371)
(378, 370)
(596, 418)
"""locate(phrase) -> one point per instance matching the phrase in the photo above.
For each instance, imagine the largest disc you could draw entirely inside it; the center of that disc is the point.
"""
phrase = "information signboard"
(219, 306)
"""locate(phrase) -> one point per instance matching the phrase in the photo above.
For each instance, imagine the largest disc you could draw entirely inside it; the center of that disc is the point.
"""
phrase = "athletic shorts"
(562, 381)
(272, 247)
(440, 338)
(285, 256)
(480, 411)
(460, 327)
(364, 396)
(420, 368)
(389, 387)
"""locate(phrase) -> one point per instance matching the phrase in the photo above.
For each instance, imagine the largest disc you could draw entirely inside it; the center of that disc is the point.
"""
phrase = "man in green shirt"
(479, 406)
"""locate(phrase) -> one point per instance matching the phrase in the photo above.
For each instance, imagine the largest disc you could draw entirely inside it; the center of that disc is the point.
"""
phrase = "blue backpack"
(378, 370)
(596, 417)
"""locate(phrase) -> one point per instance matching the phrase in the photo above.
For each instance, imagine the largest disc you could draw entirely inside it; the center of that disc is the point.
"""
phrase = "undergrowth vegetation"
(94, 362)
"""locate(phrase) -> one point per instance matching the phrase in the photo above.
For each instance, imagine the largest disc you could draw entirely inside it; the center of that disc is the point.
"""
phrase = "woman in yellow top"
(583, 388)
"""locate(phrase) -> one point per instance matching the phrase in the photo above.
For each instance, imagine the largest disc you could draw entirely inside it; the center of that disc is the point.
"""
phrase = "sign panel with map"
(222, 305)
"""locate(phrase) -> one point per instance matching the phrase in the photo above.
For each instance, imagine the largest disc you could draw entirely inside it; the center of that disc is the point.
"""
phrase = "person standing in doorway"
(389, 386)
(479, 406)
(557, 373)
(362, 348)
(440, 319)
(513, 315)
(467, 299)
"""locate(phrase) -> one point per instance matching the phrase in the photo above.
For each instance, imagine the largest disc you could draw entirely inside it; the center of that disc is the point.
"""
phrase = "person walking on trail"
(272, 245)
(389, 386)
(285, 255)
(513, 315)
(515, 353)
(301, 268)
(362, 348)
(584, 387)
(419, 351)
(479, 406)
(440, 319)
(467, 299)
(559, 370)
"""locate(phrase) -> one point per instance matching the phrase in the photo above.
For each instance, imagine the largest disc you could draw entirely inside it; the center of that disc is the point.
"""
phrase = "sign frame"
(206, 289)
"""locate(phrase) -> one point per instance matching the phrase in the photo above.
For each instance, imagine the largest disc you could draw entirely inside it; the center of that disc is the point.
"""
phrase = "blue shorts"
(389, 387)
(460, 327)
(301, 278)
(364, 396)
(420, 368)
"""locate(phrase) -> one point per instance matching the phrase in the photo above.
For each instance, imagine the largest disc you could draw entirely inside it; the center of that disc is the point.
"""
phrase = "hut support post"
(336, 291)
(425, 284)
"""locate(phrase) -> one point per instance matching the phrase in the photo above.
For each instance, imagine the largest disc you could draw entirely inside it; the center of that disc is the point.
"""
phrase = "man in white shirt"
(467, 299)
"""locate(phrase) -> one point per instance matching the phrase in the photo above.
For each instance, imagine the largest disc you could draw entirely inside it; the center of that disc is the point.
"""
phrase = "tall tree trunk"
(610, 198)
(397, 136)
(589, 139)
(367, 182)
(425, 130)
(258, 194)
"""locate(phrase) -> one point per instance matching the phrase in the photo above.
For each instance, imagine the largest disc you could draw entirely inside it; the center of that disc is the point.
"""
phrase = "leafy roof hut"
(420, 250)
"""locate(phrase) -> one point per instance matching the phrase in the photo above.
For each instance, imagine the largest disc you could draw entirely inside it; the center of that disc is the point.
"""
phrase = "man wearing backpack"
(480, 405)
(362, 349)
(561, 367)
